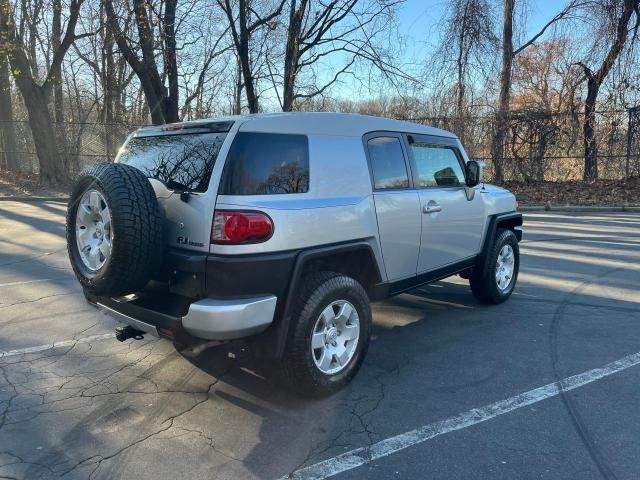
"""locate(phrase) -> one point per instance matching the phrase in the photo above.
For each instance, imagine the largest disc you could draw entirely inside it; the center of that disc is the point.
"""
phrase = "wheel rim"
(505, 266)
(335, 337)
(93, 230)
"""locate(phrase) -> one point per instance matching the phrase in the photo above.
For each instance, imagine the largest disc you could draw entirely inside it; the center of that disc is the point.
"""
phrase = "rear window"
(266, 163)
(182, 162)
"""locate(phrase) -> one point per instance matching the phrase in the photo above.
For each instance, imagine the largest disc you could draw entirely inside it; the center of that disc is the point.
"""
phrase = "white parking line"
(361, 456)
(63, 343)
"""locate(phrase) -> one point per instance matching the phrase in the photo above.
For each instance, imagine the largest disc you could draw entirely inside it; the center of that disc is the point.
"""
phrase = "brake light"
(240, 227)
(170, 127)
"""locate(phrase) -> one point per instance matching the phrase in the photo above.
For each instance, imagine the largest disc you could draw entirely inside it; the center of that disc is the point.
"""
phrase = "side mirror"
(474, 172)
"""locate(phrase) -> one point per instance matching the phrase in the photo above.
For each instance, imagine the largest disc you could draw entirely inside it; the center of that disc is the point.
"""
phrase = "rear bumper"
(215, 319)
(210, 319)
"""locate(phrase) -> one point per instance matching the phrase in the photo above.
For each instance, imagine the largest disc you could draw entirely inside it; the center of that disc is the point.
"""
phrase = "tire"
(132, 226)
(318, 292)
(483, 281)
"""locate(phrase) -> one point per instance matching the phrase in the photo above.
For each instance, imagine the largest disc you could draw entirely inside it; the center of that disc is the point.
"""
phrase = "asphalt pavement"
(546, 385)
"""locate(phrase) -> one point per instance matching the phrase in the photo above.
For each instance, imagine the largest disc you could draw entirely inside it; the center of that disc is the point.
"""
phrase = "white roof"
(334, 124)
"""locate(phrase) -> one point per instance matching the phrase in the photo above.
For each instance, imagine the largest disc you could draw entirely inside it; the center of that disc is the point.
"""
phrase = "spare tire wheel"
(114, 229)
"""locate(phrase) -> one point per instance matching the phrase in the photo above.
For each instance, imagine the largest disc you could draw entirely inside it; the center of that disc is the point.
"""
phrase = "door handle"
(431, 208)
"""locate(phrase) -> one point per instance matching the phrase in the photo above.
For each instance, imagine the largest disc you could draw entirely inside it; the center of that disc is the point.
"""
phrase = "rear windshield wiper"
(176, 186)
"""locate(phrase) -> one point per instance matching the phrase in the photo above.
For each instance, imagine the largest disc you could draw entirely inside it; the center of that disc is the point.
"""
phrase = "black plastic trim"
(512, 219)
(130, 309)
(388, 289)
(249, 275)
(185, 272)
(278, 333)
(186, 260)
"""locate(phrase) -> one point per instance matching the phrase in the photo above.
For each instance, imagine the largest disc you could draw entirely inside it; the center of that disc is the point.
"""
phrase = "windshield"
(181, 162)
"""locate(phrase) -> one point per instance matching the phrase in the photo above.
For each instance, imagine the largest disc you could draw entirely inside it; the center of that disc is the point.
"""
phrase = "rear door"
(452, 216)
(178, 160)
(397, 204)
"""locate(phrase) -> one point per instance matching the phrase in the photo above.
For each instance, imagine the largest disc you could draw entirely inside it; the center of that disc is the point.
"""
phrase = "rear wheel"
(329, 334)
(494, 281)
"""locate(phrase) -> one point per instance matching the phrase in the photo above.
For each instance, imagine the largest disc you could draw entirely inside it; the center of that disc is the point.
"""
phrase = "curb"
(33, 199)
(579, 208)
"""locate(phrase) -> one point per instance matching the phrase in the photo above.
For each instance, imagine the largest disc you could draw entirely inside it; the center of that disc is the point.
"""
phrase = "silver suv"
(280, 229)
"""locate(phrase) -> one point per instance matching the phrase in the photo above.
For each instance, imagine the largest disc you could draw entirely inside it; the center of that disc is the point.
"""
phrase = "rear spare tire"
(114, 229)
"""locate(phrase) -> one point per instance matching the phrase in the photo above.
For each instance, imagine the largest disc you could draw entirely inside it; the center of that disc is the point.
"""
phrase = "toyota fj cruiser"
(281, 228)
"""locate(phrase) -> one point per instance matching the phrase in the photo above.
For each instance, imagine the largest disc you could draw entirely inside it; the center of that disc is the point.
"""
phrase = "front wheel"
(329, 334)
(494, 281)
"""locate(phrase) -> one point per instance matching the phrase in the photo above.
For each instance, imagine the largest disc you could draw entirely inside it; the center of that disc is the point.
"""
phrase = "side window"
(437, 166)
(266, 163)
(387, 163)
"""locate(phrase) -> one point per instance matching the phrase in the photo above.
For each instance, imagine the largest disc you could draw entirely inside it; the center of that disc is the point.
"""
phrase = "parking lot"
(450, 388)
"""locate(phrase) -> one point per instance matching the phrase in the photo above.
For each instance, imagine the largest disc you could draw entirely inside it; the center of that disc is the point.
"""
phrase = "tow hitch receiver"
(126, 332)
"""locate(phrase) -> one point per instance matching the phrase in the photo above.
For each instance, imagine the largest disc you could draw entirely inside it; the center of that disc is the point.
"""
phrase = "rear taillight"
(240, 227)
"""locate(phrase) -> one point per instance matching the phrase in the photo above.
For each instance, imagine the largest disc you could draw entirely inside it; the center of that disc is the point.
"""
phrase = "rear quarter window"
(266, 163)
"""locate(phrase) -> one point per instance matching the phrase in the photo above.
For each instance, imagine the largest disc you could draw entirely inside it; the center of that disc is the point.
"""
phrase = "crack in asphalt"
(23, 302)
(5, 412)
(20, 385)
(169, 421)
(209, 441)
(363, 426)
(20, 460)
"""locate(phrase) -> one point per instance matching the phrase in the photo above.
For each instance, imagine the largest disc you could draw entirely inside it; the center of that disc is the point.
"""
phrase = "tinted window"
(436, 166)
(387, 163)
(266, 163)
(179, 161)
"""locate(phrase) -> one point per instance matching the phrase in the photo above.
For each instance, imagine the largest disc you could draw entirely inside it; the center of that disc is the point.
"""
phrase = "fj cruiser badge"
(186, 241)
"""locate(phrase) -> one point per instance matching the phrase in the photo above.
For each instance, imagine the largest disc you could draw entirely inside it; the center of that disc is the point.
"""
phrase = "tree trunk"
(171, 102)
(146, 68)
(58, 105)
(44, 137)
(595, 80)
(109, 90)
(502, 114)
(242, 45)
(291, 58)
(249, 87)
(8, 141)
(588, 131)
(56, 36)
(237, 92)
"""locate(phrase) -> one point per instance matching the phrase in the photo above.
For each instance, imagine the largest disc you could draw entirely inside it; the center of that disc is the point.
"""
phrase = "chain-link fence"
(80, 144)
(539, 145)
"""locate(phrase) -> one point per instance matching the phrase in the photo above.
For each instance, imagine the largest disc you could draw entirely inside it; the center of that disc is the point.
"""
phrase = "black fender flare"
(509, 220)
(280, 330)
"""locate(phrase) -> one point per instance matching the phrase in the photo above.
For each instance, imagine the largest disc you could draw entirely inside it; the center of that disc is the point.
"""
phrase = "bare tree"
(468, 44)
(616, 15)
(8, 141)
(37, 95)
(161, 101)
(244, 21)
(56, 38)
(508, 54)
(348, 29)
